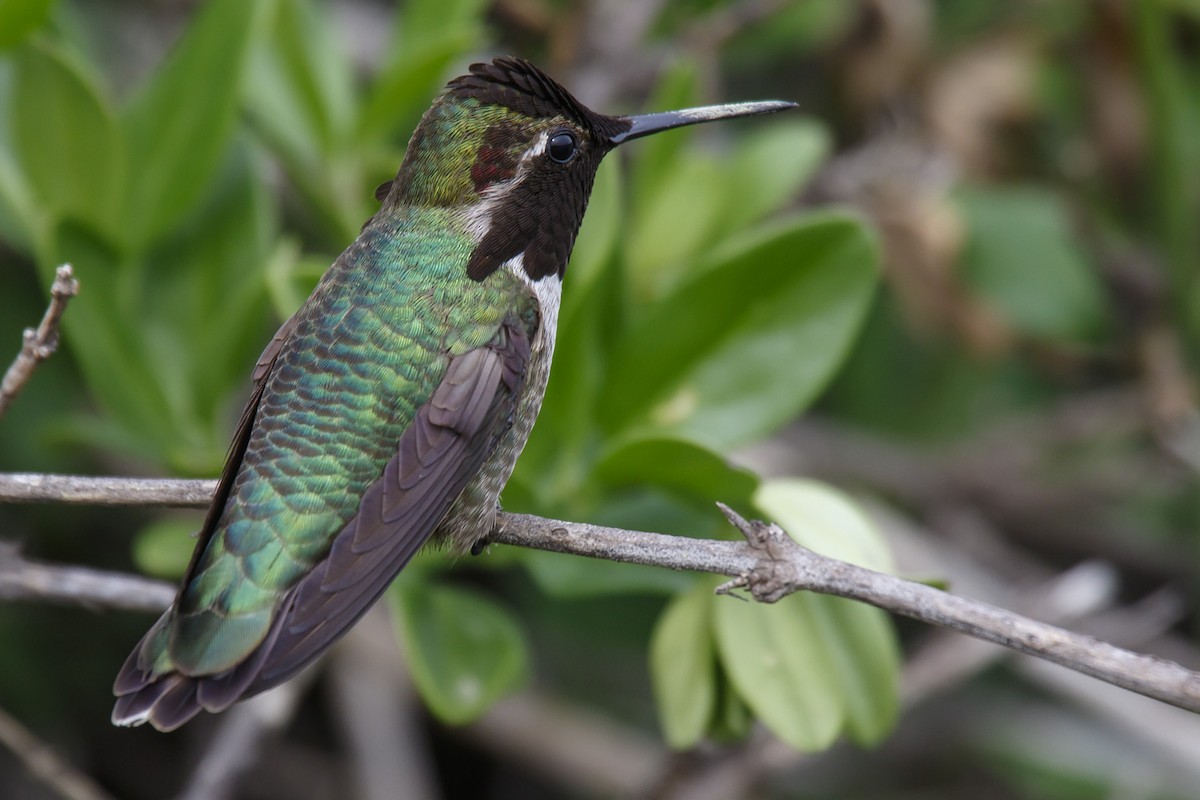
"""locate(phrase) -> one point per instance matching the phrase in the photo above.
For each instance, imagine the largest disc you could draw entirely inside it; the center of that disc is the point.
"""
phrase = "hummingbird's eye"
(562, 147)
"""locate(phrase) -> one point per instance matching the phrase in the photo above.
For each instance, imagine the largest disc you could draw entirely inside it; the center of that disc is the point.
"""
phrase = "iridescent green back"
(366, 351)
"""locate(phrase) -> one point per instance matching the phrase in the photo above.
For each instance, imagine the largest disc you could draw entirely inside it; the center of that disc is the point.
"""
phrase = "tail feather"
(218, 692)
(166, 703)
(168, 699)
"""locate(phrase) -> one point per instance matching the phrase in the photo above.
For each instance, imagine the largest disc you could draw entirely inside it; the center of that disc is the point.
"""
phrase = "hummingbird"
(390, 409)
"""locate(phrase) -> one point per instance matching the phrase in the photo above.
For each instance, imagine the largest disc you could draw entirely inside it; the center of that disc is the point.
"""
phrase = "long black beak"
(646, 124)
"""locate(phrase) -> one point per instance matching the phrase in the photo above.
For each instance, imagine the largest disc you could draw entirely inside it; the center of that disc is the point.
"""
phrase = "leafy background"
(971, 262)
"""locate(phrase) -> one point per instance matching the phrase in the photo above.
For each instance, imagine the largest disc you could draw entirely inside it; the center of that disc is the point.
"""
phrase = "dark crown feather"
(519, 85)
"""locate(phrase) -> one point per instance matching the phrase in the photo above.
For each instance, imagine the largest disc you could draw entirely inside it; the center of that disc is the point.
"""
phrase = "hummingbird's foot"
(482, 542)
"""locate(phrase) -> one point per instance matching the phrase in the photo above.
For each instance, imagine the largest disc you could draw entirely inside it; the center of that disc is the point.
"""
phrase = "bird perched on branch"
(391, 408)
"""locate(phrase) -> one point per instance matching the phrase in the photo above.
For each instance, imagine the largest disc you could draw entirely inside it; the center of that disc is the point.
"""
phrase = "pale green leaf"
(859, 640)
(300, 98)
(656, 158)
(824, 520)
(679, 216)
(319, 73)
(110, 351)
(683, 666)
(861, 643)
(773, 655)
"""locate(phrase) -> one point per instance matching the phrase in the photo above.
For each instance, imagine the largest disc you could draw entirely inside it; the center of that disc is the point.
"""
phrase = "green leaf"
(796, 30)
(861, 643)
(683, 666)
(178, 125)
(732, 720)
(682, 466)
(18, 18)
(1022, 256)
(1168, 76)
(430, 36)
(109, 350)
(771, 165)
(319, 72)
(657, 158)
(774, 656)
(18, 207)
(706, 196)
(679, 217)
(65, 137)
(570, 576)
(300, 98)
(465, 652)
(748, 343)
(859, 640)
(426, 20)
(824, 520)
(164, 547)
(208, 285)
(402, 92)
(291, 276)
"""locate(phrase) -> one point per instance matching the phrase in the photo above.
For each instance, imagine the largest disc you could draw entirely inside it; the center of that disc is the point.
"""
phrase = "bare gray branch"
(770, 564)
(22, 579)
(27, 487)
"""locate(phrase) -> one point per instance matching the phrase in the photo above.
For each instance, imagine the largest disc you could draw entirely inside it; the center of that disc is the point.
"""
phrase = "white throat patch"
(548, 291)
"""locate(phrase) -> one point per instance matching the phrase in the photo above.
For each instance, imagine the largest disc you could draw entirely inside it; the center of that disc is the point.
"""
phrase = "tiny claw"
(479, 546)
(740, 582)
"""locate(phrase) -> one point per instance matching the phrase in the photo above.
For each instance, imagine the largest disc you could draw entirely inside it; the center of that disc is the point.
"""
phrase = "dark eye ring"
(562, 147)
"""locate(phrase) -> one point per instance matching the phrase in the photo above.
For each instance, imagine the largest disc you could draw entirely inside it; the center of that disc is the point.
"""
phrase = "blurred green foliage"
(704, 309)
(698, 316)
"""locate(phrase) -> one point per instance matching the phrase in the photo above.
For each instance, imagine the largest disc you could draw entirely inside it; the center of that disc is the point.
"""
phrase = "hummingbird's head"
(517, 153)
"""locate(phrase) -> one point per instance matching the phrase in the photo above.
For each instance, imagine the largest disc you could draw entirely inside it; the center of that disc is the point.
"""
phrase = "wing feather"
(436, 457)
(137, 673)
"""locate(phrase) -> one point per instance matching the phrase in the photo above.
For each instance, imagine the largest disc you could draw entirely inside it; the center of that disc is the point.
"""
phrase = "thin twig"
(44, 763)
(22, 579)
(41, 342)
(26, 487)
(771, 565)
(789, 567)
